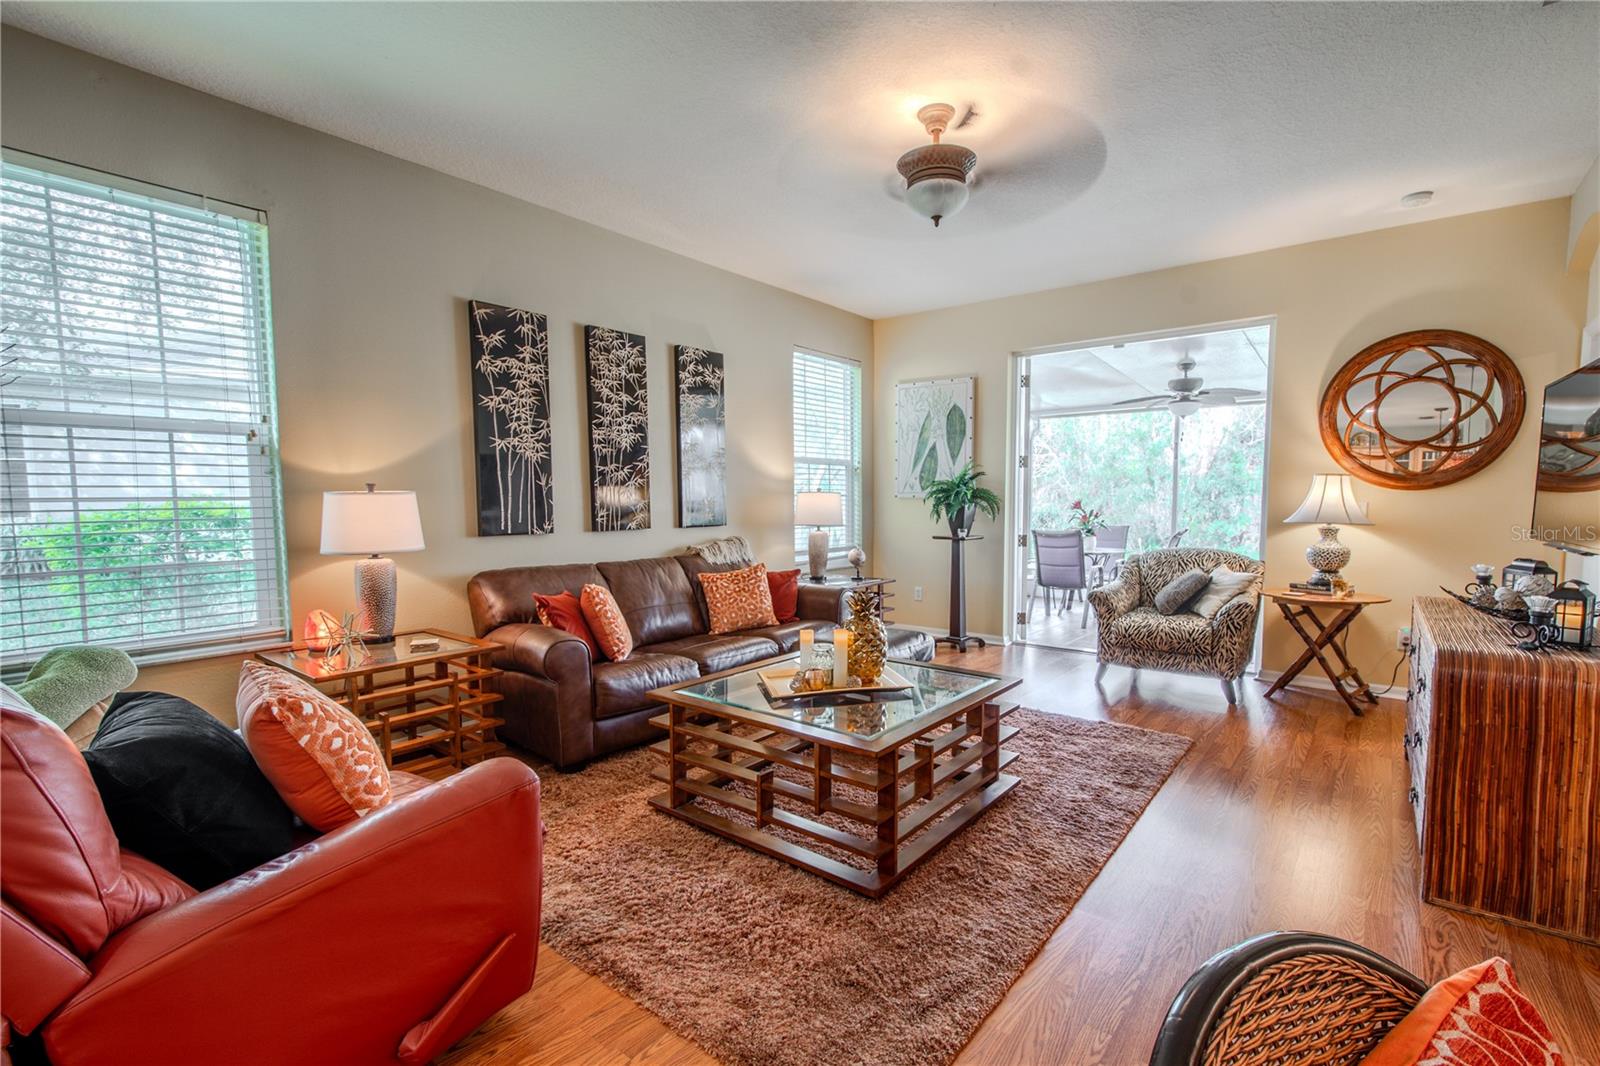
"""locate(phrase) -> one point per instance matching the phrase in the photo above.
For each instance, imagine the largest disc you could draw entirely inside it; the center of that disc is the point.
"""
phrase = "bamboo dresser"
(1504, 754)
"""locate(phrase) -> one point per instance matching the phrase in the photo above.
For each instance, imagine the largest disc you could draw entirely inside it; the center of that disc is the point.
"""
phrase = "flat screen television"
(1566, 503)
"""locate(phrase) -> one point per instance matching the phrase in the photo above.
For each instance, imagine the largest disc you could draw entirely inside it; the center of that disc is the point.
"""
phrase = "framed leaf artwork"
(933, 432)
(510, 351)
(619, 429)
(702, 442)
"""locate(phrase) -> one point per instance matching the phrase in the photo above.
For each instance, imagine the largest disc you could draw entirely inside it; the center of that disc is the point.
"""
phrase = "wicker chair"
(1286, 999)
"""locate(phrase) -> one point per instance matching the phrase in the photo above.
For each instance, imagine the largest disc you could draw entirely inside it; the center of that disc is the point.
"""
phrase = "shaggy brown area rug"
(762, 963)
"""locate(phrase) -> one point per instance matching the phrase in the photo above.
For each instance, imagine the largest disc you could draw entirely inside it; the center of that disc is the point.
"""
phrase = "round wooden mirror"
(1422, 409)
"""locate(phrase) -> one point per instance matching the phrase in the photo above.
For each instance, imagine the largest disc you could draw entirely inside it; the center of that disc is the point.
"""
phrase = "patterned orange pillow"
(1478, 1017)
(605, 620)
(319, 756)
(739, 599)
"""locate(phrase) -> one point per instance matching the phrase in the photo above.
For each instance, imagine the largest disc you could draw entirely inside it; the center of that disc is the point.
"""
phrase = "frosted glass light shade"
(937, 198)
(1331, 501)
(370, 523)
(818, 509)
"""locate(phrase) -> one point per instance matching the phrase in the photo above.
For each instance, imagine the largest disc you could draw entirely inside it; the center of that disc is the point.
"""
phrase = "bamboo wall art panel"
(702, 442)
(511, 419)
(619, 443)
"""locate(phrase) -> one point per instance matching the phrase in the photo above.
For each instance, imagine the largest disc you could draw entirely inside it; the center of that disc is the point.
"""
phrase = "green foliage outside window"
(122, 564)
(1122, 464)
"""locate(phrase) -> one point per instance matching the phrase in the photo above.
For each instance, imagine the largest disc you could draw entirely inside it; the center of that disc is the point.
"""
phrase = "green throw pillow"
(66, 682)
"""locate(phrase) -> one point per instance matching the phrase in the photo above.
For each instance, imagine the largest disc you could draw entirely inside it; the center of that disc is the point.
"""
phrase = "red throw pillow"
(1478, 1017)
(317, 754)
(564, 612)
(785, 588)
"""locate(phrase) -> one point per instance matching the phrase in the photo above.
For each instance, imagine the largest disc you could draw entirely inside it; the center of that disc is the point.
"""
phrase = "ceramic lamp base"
(817, 554)
(1328, 557)
(375, 598)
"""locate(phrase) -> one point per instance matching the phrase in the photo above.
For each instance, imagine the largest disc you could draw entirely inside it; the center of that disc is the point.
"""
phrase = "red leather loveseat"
(384, 941)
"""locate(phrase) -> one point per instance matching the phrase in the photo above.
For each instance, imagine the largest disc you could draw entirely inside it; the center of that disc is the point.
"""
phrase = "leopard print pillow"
(739, 599)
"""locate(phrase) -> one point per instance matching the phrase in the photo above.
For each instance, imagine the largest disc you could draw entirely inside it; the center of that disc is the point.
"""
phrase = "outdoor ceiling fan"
(1187, 396)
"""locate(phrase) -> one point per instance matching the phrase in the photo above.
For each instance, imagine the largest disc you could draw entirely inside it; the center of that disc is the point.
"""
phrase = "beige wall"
(1501, 275)
(373, 259)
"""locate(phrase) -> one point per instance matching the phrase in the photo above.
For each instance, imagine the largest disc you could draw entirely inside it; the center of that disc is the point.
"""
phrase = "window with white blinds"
(139, 498)
(827, 442)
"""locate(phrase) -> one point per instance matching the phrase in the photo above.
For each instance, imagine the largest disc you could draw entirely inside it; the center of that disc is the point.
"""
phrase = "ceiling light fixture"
(1416, 199)
(936, 174)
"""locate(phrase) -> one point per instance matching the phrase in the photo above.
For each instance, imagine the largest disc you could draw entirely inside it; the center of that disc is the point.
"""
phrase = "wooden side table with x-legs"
(1329, 635)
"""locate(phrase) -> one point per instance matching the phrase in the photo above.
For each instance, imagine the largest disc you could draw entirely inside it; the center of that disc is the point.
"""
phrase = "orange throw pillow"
(564, 612)
(785, 588)
(605, 619)
(320, 758)
(738, 599)
(1478, 1017)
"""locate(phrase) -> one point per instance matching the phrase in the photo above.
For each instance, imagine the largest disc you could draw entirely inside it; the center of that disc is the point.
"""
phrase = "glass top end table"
(904, 772)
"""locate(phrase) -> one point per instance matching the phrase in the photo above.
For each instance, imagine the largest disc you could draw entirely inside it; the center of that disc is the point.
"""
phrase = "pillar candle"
(841, 658)
(808, 639)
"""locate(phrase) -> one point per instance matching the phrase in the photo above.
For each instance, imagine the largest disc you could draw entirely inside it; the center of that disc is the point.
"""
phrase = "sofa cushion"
(621, 687)
(317, 754)
(655, 598)
(787, 635)
(503, 597)
(1147, 629)
(181, 789)
(63, 866)
(605, 621)
(738, 600)
(715, 654)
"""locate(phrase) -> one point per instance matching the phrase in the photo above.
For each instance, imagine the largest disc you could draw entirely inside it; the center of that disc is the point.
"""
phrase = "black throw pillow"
(1176, 594)
(181, 789)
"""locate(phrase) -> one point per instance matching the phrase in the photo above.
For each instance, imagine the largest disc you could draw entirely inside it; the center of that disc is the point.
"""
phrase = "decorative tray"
(775, 683)
(1493, 612)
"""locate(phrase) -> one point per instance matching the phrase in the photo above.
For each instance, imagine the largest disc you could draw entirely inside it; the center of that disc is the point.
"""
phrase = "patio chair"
(1175, 537)
(1112, 539)
(1059, 564)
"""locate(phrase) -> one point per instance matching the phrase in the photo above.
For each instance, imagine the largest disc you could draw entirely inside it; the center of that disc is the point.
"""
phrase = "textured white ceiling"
(1094, 378)
(1112, 138)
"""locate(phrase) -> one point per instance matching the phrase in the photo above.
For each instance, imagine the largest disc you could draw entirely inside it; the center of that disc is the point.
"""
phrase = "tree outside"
(1122, 464)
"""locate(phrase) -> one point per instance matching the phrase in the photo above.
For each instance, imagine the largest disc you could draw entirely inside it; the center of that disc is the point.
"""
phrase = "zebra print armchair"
(1133, 633)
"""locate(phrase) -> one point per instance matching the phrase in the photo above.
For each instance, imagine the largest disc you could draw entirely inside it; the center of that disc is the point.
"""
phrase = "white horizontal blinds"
(139, 499)
(827, 442)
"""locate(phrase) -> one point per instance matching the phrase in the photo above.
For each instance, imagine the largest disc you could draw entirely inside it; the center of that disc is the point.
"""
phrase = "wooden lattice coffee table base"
(954, 768)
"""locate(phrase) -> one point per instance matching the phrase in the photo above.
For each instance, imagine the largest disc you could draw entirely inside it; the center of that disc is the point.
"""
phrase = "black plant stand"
(958, 637)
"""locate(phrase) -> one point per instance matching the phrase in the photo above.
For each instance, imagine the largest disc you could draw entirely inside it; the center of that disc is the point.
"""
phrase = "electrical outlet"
(1402, 638)
(916, 593)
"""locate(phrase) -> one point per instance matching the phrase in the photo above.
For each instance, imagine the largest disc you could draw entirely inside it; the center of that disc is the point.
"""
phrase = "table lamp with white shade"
(818, 509)
(372, 523)
(1330, 503)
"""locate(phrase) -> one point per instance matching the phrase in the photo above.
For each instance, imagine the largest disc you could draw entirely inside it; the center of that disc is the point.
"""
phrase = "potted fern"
(959, 498)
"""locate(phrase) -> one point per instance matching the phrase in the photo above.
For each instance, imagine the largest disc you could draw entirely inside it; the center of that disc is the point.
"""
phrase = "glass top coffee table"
(880, 781)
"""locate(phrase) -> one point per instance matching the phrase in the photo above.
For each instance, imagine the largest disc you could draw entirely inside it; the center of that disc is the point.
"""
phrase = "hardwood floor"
(1285, 815)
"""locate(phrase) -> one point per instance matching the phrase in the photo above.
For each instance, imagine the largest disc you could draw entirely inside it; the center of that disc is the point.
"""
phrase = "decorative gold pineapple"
(869, 641)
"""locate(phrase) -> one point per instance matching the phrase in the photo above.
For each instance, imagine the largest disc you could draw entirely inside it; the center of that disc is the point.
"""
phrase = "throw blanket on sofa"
(726, 551)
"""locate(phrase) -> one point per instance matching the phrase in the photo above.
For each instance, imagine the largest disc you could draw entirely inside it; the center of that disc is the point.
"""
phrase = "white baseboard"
(939, 631)
(1322, 684)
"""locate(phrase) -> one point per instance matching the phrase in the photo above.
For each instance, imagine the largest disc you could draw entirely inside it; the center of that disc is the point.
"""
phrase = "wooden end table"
(892, 767)
(428, 710)
(1298, 607)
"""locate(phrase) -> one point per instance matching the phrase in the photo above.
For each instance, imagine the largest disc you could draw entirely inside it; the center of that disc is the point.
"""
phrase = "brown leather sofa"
(567, 709)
